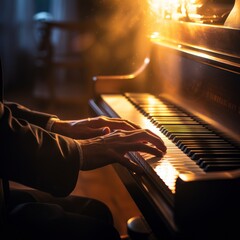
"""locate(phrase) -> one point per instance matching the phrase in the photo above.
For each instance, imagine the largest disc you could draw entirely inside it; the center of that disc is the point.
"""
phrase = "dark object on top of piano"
(211, 11)
(191, 81)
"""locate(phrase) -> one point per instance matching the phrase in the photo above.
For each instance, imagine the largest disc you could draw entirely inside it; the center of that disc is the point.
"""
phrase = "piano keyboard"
(192, 145)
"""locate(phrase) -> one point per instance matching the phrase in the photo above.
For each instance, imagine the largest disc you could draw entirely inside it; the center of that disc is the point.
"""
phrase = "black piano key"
(209, 161)
(160, 111)
(159, 106)
(169, 120)
(184, 133)
(194, 154)
(218, 154)
(179, 136)
(165, 114)
(221, 167)
(205, 160)
(184, 143)
(173, 121)
(190, 149)
(184, 128)
(167, 123)
(190, 146)
(176, 139)
(176, 118)
(193, 136)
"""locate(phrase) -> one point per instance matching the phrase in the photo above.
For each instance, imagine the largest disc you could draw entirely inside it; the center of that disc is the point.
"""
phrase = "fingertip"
(165, 150)
(106, 130)
(160, 154)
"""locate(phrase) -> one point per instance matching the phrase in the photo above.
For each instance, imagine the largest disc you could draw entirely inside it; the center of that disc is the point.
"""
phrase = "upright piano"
(187, 91)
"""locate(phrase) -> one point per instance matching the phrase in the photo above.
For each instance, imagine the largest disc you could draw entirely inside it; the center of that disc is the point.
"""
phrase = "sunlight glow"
(174, 9)
(167, 172)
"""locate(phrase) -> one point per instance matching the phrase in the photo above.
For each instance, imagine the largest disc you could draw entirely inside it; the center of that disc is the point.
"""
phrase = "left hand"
(91, 127)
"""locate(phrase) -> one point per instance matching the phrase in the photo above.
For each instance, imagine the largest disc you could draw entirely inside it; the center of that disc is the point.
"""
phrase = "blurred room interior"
(50, 68)
(52, 49)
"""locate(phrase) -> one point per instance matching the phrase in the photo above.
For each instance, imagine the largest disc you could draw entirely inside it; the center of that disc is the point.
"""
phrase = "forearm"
(34, 117)
(37, 158)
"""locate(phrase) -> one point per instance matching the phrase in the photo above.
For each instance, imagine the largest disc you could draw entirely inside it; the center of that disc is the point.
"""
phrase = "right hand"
(112, 147)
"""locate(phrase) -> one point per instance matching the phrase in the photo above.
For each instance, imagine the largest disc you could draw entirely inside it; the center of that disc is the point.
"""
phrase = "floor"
(103, 183)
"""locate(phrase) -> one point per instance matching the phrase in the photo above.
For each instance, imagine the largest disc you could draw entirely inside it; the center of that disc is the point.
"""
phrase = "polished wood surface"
(186, 69)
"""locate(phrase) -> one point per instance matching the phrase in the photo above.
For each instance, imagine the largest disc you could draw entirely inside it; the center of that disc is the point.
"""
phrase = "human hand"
(112, 148)
(91, 127)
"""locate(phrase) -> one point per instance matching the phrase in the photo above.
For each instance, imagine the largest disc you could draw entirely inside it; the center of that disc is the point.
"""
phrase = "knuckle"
(143, 131)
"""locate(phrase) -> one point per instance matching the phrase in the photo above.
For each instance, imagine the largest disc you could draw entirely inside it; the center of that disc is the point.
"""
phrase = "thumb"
(105, 130)
(94, 132)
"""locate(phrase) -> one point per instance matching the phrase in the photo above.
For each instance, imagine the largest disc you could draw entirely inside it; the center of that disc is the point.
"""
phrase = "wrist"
(59, 126)
(50, 123)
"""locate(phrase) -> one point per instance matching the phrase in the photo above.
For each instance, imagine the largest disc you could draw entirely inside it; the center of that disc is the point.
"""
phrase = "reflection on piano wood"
(191, 100)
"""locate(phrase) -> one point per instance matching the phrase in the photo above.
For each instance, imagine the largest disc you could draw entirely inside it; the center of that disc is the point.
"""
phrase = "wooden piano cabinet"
(195, 68)
(221, 196)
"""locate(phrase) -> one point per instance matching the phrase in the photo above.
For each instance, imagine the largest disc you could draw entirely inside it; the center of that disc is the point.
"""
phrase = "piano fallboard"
(196, 184)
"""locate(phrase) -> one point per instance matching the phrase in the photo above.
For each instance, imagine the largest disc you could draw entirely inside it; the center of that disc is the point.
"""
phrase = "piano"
(186, 91)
